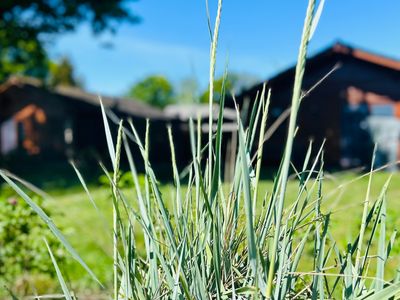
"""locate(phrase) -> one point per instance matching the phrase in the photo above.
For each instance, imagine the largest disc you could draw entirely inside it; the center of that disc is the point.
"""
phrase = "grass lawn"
(89, 231)
(85, 227)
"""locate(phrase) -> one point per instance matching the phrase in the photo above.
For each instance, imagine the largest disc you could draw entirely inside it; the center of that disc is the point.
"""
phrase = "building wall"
(38, 119)
(324, 113)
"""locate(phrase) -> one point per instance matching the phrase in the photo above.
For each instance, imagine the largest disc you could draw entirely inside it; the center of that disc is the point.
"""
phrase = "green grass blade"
(213, 59)
(365, 212)
(391, 243)
(296, 97)
(252, 247)
(375, 224)
(116, 215)
(157, 194)
(83, 183)
(61, 280)
(387, 293)
(381, 259)
(218, 141)
(175, 174)
(110, 143)
(261, 145)
(317, 16)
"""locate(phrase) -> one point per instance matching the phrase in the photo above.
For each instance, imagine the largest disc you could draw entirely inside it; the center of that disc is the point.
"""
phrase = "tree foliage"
(234, 82)
(188, 91)
(63, 73)
(218, 86)
(26, 27)
(24, 57)
(155, 90)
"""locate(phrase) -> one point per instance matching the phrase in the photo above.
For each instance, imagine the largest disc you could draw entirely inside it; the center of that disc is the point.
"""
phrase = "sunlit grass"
(83, 221)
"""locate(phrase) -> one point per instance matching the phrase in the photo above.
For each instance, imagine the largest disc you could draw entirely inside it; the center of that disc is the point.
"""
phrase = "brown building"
(353, 108)
(43, 128)
(42, 125)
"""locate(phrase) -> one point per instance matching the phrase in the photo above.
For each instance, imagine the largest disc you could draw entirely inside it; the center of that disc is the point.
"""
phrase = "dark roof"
(367, 56)
(338, 49)
(127, 106)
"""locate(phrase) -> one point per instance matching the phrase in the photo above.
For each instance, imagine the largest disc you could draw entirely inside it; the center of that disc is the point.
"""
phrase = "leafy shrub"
(22, 248)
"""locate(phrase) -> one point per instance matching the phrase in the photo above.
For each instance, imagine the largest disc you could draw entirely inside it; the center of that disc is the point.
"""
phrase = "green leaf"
(64, 287)
(386, 293)
(247, 201)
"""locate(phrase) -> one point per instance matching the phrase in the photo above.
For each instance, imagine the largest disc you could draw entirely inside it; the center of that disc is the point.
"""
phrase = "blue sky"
(257, 37)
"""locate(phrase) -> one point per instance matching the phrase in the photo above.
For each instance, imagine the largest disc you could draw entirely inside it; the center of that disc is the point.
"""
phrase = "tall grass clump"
(216, 240)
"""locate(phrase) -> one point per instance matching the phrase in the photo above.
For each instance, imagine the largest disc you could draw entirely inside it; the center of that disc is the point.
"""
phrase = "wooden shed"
(346, 108)
(41, 124)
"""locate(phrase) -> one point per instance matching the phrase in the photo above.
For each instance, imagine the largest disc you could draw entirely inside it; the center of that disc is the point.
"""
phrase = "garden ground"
(89, 232)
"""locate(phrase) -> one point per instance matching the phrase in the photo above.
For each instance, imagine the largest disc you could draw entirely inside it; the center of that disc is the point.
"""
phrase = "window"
(8, 135)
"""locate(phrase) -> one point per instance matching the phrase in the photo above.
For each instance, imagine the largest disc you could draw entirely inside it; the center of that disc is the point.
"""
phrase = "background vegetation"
(27, 27)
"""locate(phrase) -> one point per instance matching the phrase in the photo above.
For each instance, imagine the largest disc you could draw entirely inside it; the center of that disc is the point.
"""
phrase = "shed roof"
(128, 106)
(337, 50)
